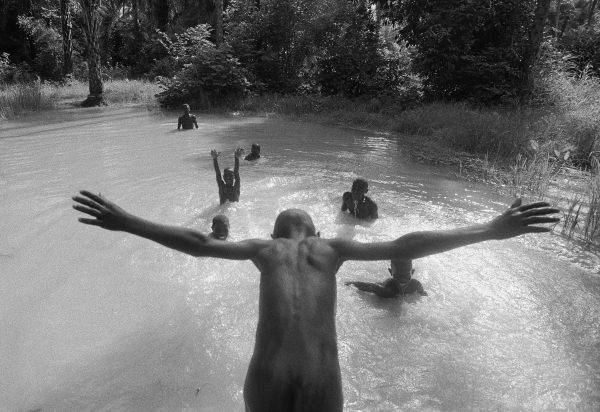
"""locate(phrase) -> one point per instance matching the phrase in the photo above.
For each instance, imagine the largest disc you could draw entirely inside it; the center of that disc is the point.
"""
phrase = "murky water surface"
(104, 321)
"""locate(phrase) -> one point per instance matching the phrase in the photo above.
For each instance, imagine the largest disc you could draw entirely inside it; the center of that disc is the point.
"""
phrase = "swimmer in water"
(359, 205)
(254, 152)
(400, 284)
(187, 120)
(295, 365)
(220, 227)
(229, 184)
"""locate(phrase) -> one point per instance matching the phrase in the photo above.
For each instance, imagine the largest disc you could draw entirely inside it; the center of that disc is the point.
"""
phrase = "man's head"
(292, 221)
(220, 227)
(255, 148)
(186, 108)
(359, 188)
(228, 176)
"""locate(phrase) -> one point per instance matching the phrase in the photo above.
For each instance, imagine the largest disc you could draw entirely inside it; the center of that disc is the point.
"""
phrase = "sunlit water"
(92, 320)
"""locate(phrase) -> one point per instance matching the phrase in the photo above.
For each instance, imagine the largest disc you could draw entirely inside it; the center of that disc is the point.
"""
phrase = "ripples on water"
(94, 320)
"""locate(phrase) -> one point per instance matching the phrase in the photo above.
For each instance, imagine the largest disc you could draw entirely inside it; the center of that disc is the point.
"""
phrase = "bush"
(48, 47)
(208, 77)
(584, 45)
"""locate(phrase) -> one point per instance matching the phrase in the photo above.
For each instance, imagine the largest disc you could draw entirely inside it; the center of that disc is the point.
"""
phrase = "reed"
(21, 98)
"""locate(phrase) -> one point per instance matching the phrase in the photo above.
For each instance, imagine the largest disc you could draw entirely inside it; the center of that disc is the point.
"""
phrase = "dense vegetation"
(505, 79)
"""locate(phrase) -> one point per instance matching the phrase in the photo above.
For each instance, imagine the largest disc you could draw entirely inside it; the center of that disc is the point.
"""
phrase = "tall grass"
(20, 98)
(581, 217)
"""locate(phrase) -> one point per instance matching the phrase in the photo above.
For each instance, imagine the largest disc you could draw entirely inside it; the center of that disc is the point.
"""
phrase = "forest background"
(511, 88)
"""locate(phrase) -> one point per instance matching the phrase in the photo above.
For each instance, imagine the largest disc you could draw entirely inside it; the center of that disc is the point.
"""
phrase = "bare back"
(295, 362)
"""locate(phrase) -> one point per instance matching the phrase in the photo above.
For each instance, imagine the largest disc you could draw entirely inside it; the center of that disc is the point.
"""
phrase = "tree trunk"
(160, 11)
(135, 11)
(91, 25)
(67, 26)
(218, 22)
(557, 18)
(532, 49)
(590, 14)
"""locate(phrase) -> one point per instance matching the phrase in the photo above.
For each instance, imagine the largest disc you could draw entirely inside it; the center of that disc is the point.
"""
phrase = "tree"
(532, 48)
(66, 30)
(91, 25)
(217, 21)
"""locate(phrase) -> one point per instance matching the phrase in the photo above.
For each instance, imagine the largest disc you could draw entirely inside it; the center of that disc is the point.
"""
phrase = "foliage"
(584, 44)
(274, 41)
(205, 75)
(48, 46)
(465, 49)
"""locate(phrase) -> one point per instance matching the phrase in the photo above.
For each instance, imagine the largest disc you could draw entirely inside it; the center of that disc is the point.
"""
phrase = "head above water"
(186, 108)
(228, 176)
(220, 227)
(401, 270)
(255, 148)
(293, 221)
(359, 188)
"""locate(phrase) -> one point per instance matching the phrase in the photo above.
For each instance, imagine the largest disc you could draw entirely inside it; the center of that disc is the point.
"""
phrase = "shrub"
(48, 47)
(208, 77)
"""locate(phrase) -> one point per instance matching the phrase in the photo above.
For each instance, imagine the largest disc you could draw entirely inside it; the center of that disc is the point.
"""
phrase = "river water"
(92, 320)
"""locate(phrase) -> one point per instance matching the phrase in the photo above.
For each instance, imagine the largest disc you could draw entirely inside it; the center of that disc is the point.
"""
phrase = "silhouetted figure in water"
(187, 120)
(400, 284)
(357, 204)
(295, 365)
(220, 227)
(254, 152)
(229, 184)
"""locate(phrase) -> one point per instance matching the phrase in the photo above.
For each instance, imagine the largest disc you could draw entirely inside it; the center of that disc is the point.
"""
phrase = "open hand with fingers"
(105, 213)
(238, 152)
(214, 154)
(519, 219)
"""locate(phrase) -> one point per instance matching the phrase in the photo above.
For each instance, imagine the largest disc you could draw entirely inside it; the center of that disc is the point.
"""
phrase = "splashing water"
(95, 320)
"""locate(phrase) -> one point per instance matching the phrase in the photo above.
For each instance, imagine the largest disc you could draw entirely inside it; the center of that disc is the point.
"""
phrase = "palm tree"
(91, 27)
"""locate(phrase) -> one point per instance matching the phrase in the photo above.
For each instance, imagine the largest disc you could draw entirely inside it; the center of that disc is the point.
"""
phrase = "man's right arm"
(178, 123)
(109, 216)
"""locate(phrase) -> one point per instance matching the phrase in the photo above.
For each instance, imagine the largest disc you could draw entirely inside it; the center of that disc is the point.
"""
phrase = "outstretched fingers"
(87, 221)
(90, 211)
(95, 197)
(534, 205)
(540, 219)
(541, 211)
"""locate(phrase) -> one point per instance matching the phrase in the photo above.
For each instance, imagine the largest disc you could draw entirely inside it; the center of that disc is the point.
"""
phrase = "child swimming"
(295, 365)
(220, 227)
(359, 205)
(254, 152)
(400, 284)
(187, 120)
(229, 184)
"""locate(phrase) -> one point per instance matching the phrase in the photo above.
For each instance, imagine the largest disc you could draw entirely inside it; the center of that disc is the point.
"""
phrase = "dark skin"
(359, 205)
(229, 185)
(400, 284)
(295, 364)
(186, 121)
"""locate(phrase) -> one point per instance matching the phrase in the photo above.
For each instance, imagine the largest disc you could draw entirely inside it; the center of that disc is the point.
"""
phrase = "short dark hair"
(255, 146)
(360, 185)
(220, 218)
(291, 218)
(186, 106)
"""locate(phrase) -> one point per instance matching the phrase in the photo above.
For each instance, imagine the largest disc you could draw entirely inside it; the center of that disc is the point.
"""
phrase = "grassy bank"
(21, 98)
